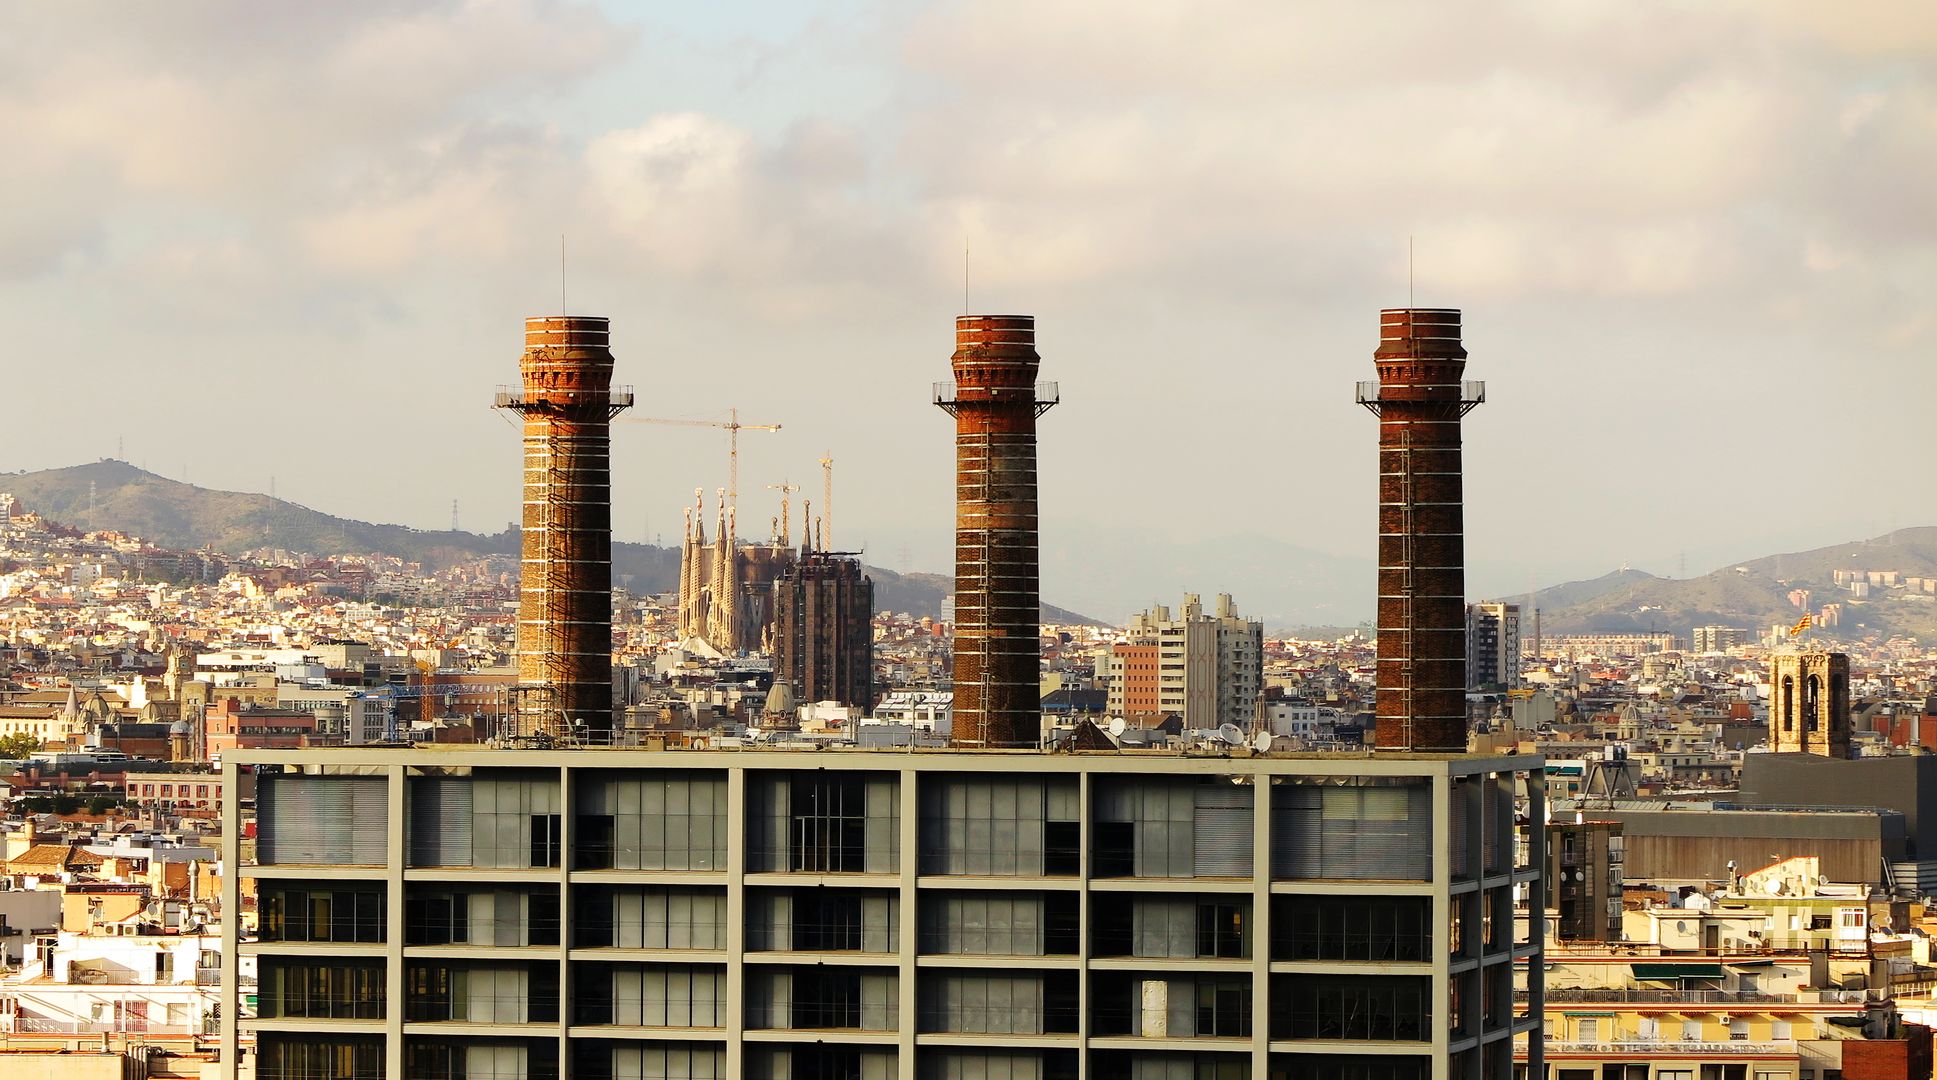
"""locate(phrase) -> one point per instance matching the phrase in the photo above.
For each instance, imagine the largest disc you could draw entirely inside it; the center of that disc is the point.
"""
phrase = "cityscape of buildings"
(1359, 766)
(296, 817)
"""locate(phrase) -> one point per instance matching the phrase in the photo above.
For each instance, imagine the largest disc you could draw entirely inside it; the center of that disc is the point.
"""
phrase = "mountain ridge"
(1756, 594)
(111, 494)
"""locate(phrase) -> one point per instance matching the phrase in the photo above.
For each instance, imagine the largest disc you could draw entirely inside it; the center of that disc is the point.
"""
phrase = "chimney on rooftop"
(1419, 399)
(996, 401)
(565, 597)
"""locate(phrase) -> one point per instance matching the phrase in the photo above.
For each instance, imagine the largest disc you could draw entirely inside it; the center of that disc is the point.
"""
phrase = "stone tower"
(1809, 703)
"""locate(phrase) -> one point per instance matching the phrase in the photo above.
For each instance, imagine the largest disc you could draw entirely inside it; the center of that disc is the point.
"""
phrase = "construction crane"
(786, 490)
(733, 428)
(827, 498)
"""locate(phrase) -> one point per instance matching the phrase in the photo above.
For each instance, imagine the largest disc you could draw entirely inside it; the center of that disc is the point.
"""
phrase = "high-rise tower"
(1419, 399)
(823, 631)
(565, 595)
(998, 609)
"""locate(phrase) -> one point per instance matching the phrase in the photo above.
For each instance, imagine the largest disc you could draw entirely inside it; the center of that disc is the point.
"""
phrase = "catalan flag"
(1802, 624)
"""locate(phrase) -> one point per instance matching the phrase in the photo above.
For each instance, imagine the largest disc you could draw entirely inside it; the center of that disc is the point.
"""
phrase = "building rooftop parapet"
(1672, 1048)
(471, 753)
(1623, 951)
(1597, 996)
(1798, 808)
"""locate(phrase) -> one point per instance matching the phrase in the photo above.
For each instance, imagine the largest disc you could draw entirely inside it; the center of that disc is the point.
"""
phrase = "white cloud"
(1748, 180)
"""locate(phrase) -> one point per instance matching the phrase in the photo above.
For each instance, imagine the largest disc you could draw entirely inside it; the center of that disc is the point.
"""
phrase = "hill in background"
(115, 495)
(1755, 594)
(1752, 594)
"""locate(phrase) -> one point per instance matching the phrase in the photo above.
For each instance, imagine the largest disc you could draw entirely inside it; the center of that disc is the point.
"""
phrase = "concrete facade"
(765, 914)
(1904, 783)
(1671, 846)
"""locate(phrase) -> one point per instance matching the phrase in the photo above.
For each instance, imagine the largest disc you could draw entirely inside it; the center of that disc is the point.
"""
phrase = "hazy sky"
(1696, 244)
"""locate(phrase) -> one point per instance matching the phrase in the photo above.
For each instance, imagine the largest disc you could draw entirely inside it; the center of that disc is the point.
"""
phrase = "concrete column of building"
(736, 927)
(565, 595)
(1419, 399)
(1534, 964)
(1083, 917)
(1260, 928)
(568, 846)
(906, 919)
(995, 403)
(396, 846)
(1445, 804)
(230, 998)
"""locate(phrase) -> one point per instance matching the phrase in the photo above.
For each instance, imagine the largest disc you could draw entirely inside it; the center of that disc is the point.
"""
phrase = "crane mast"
(827, 499)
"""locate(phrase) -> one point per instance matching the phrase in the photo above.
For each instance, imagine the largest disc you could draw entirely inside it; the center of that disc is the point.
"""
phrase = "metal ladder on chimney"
(1407, 551)
(558, 579)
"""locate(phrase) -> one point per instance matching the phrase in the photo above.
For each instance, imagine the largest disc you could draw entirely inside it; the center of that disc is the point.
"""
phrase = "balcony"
(33, 1025)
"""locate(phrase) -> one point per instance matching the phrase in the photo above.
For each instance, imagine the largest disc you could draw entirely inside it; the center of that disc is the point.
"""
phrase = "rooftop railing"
(1655, 1047)
(1763, 947)
(1566, 996)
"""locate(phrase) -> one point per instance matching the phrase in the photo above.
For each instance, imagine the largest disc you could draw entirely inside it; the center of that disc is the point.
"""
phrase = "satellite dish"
(1231, 734)
(1262, 743)
(1118, 726)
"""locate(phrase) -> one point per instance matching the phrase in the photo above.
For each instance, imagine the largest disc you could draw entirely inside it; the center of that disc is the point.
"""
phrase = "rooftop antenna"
(562, 309)
(965, 275)
(1409, 300)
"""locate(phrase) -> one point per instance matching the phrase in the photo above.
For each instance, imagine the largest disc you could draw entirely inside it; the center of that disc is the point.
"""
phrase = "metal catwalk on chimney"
(996, 401)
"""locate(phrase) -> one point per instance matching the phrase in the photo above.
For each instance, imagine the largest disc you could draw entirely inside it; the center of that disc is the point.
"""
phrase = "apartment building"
(1492, 646)
(180, 792)
(1715, 639)
(1210, 668)
(1584, 865)
(1131, 674)
(806, 915)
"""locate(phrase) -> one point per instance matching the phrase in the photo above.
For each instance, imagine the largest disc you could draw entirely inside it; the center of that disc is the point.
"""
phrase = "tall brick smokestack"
(998, 607)
(565, 599)
(1419, 399)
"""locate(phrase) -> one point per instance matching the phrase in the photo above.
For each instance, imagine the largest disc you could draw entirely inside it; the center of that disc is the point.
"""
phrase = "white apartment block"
(1210, 667)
